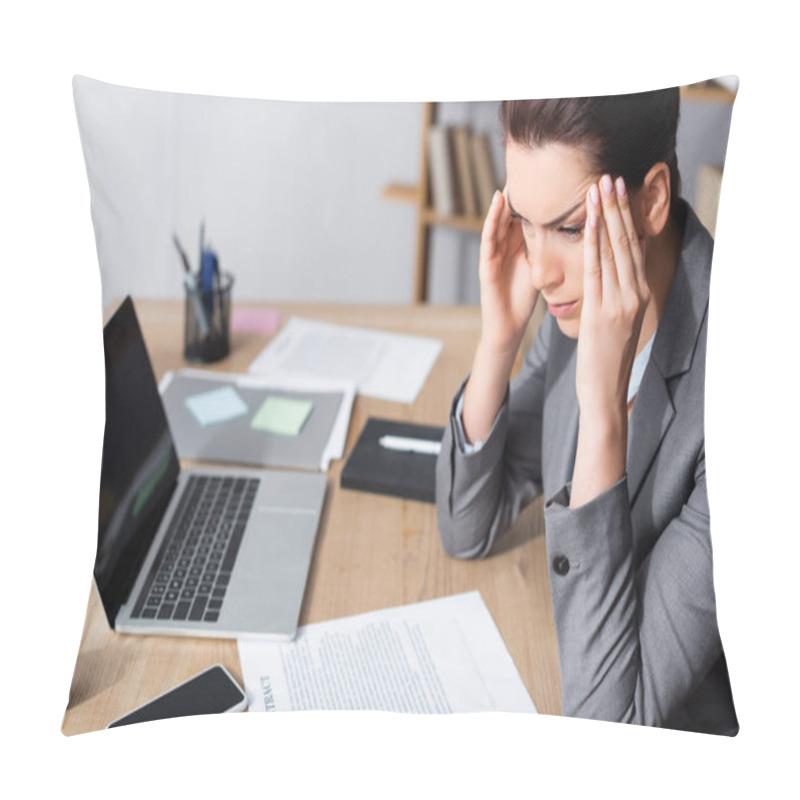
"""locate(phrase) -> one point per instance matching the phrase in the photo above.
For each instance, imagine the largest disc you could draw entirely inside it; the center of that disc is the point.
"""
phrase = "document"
(384, 365)
(333, 448)
(437, 657)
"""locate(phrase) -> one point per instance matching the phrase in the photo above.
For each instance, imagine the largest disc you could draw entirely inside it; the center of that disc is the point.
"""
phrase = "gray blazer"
(631, 571)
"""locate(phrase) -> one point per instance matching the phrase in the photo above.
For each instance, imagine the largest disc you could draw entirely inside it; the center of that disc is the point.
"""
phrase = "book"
(485, 178)
(455, 177)
(469, 200)
(440, 170)
(373, 468)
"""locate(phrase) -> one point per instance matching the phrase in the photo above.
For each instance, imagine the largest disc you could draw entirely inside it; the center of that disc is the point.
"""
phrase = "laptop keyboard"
(190, 575)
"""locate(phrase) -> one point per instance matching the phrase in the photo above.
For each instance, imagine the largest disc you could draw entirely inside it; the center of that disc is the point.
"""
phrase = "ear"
(654, 199)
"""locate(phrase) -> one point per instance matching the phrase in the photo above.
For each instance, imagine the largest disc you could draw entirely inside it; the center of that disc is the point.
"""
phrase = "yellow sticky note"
(282, 415)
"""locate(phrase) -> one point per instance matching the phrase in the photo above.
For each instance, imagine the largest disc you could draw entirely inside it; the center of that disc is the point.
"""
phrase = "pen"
(402, 444)
(202, 243)
(190, 281)
(216, 274)
(207, 270)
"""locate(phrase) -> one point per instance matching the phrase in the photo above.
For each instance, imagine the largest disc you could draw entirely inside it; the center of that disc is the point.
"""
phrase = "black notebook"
(373, 468)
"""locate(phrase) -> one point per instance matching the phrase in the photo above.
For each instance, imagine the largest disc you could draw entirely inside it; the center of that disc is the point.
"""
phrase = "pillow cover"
(290, 194)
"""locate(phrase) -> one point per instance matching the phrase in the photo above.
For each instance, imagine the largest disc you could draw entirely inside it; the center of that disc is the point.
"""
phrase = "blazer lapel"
(560, 421)
(672, 353)
(652, 415)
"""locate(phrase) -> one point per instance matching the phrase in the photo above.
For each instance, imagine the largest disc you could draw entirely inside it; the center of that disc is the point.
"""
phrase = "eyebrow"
(553, 223)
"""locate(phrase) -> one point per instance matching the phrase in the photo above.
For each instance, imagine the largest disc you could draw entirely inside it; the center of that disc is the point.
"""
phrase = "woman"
(606, 416)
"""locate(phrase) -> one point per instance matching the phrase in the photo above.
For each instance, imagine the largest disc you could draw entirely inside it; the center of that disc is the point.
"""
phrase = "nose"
(546, 268)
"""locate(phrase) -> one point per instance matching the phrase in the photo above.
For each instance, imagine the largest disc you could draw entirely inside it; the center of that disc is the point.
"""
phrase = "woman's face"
(546, 187)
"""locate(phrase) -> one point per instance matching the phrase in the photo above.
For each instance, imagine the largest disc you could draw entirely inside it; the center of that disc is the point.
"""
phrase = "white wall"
(290, 192)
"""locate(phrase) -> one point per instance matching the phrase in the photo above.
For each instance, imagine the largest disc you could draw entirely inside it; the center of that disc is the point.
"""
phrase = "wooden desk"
(372, 552)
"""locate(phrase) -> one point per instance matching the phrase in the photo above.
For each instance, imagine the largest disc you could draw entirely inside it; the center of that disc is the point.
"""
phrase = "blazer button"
(561, 565)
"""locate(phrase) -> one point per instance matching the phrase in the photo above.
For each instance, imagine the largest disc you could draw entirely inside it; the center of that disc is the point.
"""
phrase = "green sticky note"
(282, 416)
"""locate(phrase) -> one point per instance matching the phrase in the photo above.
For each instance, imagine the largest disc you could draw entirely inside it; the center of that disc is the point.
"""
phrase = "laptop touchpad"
(269, 578)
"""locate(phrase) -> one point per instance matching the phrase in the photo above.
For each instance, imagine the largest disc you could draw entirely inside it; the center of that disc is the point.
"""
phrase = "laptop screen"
(140, 465)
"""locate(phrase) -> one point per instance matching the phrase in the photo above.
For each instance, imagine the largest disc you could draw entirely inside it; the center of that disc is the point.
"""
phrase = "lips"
(562, 309)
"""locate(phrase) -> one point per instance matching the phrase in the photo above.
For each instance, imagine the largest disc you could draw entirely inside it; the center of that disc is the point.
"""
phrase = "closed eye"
(572, 231)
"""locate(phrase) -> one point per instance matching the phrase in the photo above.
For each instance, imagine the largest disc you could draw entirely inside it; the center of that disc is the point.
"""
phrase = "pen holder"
(207, 321)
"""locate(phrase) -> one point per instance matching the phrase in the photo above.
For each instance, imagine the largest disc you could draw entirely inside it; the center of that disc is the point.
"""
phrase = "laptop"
(211, 552)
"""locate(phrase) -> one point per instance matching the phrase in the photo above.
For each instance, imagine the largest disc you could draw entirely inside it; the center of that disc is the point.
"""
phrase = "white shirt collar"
(639, 366)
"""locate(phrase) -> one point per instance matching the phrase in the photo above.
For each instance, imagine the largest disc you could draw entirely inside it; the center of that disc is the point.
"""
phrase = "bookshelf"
(427, 216)
(708, 91)
(420, 194)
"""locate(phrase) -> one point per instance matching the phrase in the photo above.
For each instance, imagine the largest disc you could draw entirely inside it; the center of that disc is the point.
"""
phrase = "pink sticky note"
(256, 320)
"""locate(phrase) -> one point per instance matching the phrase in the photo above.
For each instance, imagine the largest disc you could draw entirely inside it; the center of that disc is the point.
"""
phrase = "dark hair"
(623, 134)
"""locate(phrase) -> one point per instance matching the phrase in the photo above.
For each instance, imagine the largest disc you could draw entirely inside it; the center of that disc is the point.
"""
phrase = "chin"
(569, 327)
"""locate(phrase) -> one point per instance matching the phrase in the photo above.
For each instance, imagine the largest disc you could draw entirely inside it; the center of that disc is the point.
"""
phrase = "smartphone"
(213, 691)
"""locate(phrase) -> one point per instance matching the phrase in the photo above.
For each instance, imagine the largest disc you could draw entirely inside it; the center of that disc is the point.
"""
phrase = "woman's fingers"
(496, 226)
(489, 231)
(504, 219)
(608, 268)
(617, 251)
(637, 254)
(592, 280)
(515, 242)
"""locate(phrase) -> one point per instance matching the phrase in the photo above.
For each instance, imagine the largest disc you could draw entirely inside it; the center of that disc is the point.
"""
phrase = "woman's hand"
(507, 294)
(507, 301)
(615, 297)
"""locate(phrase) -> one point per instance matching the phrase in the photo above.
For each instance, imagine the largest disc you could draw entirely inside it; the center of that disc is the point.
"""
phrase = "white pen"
(402, 444)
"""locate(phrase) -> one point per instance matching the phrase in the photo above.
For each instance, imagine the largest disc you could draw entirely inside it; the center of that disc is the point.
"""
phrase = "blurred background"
(321, 202)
